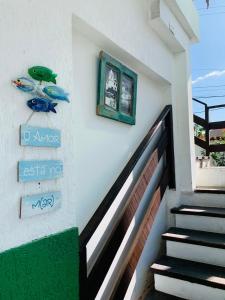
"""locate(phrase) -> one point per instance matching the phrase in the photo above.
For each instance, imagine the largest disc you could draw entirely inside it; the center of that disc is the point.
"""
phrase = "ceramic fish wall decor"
(55, 92)
(38, 86)
(42, 74)
(24, 84)
(41, 105)
(27, 85)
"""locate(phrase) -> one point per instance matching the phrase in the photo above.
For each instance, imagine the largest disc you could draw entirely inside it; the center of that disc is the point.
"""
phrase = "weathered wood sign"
(39, 136)
(39, 204)
(36, 170)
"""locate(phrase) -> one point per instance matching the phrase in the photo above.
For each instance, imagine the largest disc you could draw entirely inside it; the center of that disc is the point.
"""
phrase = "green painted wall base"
(46, 269)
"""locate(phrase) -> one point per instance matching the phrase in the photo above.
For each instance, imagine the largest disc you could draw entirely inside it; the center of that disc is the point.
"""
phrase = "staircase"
(194, 265)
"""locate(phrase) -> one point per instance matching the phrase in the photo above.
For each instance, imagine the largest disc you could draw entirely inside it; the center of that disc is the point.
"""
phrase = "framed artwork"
(117, 90)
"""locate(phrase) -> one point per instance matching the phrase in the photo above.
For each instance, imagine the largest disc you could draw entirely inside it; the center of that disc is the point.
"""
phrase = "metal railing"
(207, 125)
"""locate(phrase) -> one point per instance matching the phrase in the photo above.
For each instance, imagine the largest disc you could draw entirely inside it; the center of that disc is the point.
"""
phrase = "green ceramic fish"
(42, 74)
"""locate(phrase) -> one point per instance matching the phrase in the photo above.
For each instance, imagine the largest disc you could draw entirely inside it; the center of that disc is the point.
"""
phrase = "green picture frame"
(117, 90)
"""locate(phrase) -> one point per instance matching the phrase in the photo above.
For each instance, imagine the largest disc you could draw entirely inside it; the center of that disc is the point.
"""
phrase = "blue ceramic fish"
(41, 104)
(56, 92)
(24, 84)
(29, 86)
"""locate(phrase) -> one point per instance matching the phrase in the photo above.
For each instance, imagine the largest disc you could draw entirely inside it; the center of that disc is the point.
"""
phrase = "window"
(117, 89)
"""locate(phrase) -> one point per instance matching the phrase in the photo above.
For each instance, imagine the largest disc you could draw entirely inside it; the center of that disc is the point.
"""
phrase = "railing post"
(207, 130)
(170, 150)
(83, 274)
(206, 126)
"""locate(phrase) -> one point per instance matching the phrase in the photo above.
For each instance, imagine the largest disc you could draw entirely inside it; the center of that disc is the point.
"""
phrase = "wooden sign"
(36, 170)
(39, 137)
(39, 204)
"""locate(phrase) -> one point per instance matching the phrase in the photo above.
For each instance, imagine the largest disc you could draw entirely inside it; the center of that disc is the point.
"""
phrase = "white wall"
(191, 19)
(129, 29)
(30, 35)
(104, 146)
(183, 123)
(34, 34)
(213, 177)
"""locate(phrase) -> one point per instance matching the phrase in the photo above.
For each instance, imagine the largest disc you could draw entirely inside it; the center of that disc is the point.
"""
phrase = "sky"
(208, 58)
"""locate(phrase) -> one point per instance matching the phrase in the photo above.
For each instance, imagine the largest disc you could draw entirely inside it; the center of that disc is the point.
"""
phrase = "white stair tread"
(195, 272)
(199, 211)
(197, 237)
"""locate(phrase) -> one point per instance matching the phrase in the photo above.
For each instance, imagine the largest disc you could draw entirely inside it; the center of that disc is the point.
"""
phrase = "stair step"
(155, 295)
(199, 211)
(197, 217)
(208, 190)
(202, 238)
(204, 274)
(199, 246)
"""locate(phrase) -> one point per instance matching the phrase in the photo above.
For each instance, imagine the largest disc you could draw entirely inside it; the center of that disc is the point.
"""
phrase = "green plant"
(219, 158)
(199, 131)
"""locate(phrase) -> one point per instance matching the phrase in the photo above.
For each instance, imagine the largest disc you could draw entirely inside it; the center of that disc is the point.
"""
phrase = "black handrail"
(216, 106)
(209, 107)
(196, 100)
(105, 258)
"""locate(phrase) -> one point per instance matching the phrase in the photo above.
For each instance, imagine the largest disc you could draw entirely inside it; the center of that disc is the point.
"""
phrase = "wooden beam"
(200, 121)
(201, 143)
(217, 148)
(139, 242)
(114, 241)
(217, 125)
